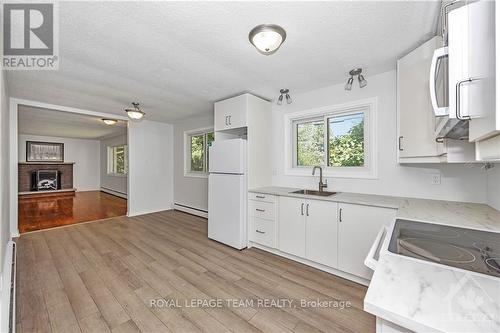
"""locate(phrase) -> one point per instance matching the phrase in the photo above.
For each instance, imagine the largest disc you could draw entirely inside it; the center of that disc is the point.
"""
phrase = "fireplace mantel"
(47, 163)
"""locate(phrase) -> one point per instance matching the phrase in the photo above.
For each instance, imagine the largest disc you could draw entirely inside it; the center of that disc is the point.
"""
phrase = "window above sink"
(340, 138)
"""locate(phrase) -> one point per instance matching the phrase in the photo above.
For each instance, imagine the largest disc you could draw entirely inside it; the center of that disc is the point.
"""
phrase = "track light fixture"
(136, 113)
(284, 92)
(361, 79)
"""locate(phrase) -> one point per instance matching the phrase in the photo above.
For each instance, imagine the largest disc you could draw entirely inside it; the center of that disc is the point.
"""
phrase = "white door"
(292, 226)
(481, 64)
(228, 156)
(416, 118)
(321, 232)
(227, 209)
(231, 113)
(358, 228)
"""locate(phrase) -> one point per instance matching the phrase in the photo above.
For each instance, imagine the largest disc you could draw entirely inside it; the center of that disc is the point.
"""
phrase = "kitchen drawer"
(262, 197)
(261, 209)
(263, 232)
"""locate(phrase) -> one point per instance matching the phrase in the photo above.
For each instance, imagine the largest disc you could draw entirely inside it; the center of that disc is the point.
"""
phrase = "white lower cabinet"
(292, 226)
(337, 235)
(321, 232)
(358, 227)
(262, 219)
(384, 326)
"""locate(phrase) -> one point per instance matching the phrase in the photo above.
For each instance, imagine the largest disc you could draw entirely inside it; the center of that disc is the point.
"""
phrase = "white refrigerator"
(227, 193)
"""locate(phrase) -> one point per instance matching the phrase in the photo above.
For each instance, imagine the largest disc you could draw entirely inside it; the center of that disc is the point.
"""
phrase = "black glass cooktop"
(472, 250)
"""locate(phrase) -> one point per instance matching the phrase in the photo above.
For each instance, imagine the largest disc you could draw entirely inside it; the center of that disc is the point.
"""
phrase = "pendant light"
(136, 113)
(267, 38)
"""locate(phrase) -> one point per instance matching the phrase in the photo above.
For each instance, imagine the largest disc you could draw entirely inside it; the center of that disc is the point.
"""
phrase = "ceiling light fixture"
(267, 38)
(109, 121)
(284, 92)
(361, 79)
(136, 113)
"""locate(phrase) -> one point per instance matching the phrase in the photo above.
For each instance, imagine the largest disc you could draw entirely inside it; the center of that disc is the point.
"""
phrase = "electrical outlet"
(436, 179)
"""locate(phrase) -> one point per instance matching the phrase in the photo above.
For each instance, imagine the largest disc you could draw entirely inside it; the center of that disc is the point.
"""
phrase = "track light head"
(362, 81)
(348, 85)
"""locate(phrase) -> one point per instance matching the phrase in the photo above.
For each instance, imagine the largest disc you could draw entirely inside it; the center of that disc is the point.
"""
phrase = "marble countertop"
(419, 295)
(462, 214)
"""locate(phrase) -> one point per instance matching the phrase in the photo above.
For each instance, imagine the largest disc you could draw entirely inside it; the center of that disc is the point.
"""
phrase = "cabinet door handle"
(229, 120)
(302, 209)
(458, 87)
(259, 231)
(307, 210)
(260, 210)
(226, 120)
(400, 144)
(340, 215)
(260, 196)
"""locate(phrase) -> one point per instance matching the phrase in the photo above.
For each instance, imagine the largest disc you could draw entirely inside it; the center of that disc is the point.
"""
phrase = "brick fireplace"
(27, 173)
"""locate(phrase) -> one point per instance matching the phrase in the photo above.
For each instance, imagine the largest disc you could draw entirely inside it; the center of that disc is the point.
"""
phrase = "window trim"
(369, 171)
(187, 152)
(110, 154)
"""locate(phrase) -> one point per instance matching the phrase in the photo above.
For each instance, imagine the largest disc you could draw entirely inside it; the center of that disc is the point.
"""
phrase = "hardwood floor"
(106, 277)
(42, 212)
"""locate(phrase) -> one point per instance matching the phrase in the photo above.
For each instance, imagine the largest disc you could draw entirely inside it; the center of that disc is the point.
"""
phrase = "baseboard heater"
(191, 210)
(9, 290)
(114, 192)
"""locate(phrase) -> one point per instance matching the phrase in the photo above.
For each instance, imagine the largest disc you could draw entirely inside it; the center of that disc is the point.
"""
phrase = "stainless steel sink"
(313, 192)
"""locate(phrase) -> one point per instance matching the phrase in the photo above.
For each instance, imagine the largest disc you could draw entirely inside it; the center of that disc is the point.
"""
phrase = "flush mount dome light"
(267, 38)
(109, 121)
(136, 113)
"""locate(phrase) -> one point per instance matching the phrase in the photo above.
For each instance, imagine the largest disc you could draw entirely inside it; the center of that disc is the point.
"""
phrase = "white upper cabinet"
(231, 113)
(472, 68)
(416, 118)
(321, 232)
(292, 226)
(358, 228)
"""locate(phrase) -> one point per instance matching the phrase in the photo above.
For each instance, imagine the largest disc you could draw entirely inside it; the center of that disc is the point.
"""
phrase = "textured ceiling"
(177, 58)
(37, 121)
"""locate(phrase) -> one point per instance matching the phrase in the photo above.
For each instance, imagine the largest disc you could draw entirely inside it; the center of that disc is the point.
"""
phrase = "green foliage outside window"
(199, 151)
(310, 143)
(345, 141)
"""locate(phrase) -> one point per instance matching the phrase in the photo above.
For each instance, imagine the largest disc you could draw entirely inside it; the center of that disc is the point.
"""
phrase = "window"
(197, 158)
(338, 138)
(117, 160)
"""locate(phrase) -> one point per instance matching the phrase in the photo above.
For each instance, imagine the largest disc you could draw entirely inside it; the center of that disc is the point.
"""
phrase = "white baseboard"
(113, 192)
(191, 210)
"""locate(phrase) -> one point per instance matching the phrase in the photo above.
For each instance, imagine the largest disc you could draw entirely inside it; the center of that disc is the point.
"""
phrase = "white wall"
(85, 154)
(151, 167)
(494, 187)
(4, 169)
(458, 183)
(189, 191)
(112, 183)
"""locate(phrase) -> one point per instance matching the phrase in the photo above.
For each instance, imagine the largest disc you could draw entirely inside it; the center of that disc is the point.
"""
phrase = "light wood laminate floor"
(103, 277)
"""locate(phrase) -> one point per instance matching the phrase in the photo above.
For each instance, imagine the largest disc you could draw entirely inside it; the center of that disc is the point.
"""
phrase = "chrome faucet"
(322, 184)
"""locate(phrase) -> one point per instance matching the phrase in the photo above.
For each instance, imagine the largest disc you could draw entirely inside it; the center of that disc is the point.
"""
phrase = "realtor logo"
(30, 36)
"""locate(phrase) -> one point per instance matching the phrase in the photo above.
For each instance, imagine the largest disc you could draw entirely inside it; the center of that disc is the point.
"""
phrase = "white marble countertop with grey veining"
(462, 214)
(419, 295)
